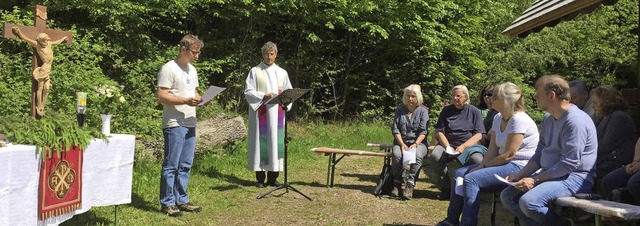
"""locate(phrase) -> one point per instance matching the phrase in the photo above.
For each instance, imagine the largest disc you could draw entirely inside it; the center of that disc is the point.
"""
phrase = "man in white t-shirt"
(177, 83)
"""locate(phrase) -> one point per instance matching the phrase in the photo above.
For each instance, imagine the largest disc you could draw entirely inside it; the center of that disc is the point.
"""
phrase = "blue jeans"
(179, 149)
(533, 207)
(620, 179)
(480, 180)
(396, 168)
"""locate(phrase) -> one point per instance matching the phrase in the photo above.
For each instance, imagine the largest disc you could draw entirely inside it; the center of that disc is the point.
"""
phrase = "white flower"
(121, 99)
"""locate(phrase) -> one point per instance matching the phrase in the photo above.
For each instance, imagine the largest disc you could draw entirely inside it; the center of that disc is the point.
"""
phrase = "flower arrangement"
(108, 99)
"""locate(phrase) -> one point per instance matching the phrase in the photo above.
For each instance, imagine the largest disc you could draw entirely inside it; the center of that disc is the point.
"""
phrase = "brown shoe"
(408, 191)
(190, 207)
(172, 211)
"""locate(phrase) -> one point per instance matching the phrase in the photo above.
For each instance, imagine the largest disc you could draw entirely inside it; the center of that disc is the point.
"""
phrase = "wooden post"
(39, 27)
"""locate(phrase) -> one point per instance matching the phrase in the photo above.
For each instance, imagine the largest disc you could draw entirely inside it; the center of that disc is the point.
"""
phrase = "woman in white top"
(514, 138)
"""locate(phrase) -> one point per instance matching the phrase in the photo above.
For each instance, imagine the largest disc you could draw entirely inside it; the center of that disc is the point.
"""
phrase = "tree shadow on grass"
(225, 187)
(362, 177)
(90, 218)
(420, 191)
(235, 182)
(427, 194)
(403, 224)
(139, 203)
(87, 218)
(312, 184)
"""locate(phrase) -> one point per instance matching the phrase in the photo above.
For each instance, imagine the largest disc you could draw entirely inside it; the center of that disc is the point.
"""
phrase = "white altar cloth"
(107, 173)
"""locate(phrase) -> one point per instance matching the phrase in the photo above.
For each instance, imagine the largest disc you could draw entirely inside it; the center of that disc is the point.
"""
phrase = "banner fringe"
(58, 212)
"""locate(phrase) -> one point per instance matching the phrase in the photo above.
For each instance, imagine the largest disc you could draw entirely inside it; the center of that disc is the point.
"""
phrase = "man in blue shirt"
(565, 157)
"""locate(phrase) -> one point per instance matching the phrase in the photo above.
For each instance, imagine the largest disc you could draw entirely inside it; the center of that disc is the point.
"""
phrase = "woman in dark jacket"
(616, 130)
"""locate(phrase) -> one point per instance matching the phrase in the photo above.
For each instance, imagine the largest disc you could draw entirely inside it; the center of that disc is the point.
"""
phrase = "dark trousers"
(271, 176)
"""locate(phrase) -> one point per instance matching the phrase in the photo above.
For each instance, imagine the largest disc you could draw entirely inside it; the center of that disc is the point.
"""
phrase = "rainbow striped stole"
(262, 81)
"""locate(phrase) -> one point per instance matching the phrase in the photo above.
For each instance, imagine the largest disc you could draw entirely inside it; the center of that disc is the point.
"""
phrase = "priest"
(266, 121)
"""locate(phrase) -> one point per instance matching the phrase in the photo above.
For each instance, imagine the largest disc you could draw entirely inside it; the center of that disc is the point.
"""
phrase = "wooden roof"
(550, 12)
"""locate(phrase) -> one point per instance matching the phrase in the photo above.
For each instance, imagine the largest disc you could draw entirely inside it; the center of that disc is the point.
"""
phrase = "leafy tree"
(356, 56)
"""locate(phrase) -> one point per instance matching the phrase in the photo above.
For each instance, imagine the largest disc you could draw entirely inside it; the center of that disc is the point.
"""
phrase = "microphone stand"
(286, 184)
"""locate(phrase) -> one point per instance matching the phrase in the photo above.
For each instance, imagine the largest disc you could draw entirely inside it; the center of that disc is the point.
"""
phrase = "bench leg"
(333, 167)
(329, 167)
(493, 209)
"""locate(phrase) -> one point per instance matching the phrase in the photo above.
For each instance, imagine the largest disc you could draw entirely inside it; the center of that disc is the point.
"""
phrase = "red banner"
(60, 189)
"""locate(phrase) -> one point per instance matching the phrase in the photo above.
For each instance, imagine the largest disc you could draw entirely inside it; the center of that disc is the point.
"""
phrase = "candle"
(81, 106)
(81, 102)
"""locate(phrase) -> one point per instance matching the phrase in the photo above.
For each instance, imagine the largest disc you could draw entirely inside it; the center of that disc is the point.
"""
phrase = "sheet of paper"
(449, 150)
(211, 92)
(504, 180)
(409, 156)
(459, 186)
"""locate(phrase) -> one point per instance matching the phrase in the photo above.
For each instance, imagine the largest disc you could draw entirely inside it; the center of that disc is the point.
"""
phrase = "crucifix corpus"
(41, 39)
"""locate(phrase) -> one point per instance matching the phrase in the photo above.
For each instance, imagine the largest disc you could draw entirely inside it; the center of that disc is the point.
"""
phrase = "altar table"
(107, 174)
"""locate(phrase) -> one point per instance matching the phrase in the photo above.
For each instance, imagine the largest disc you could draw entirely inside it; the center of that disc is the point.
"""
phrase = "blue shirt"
(568, 145)
(410, 127)
(458, 125)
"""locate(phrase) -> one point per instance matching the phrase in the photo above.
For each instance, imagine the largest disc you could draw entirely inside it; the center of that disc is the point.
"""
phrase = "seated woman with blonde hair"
(514, 138)
(409, 132)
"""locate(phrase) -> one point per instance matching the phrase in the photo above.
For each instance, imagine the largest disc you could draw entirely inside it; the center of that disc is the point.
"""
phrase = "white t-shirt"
(181, 82)
(520, 123)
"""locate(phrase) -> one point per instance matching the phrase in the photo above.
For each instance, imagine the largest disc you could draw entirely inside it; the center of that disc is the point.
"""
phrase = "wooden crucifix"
(41, 39)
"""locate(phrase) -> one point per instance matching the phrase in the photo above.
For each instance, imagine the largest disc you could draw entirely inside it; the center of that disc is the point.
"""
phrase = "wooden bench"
(333, 161)
(602, 208)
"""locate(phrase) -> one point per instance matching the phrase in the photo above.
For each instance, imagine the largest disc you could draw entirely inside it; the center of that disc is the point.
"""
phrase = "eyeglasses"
(195, 52)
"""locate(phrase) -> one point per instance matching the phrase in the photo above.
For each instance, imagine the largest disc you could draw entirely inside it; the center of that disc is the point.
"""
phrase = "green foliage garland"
(55, 132)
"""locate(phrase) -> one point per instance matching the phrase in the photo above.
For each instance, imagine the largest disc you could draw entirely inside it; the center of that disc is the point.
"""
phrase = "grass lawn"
(221, 183)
